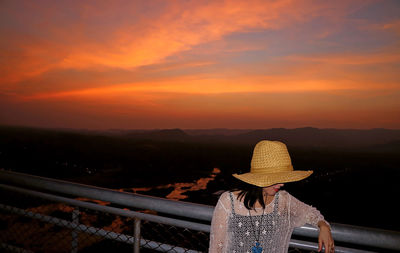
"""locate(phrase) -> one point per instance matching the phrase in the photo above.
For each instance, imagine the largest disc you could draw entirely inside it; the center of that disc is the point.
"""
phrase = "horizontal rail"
(298, 244)
(370, 237)
(362, 236)
(112, 210)
(178, 208)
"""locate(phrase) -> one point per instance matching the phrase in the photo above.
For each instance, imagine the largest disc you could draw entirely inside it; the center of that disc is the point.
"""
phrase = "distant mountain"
(216, 131)
(310, 137)
(164, 134)
(304, 137)
(373, 139)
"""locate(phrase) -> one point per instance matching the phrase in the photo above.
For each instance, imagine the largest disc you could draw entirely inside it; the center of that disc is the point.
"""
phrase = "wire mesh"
(40, 232)
(36, 225)
(172, 235)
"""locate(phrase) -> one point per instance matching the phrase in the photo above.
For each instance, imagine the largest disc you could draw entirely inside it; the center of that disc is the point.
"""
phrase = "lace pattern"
(232, 229)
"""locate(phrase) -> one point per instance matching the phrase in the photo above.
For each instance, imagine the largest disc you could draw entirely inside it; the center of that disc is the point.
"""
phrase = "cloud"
(200, 86)
(78, 35)
(242, 110)
(350, 58)
(200, 61)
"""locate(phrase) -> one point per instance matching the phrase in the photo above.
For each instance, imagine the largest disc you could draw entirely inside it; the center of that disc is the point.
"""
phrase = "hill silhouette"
(314, 137)
(381, 139)
(164, 134)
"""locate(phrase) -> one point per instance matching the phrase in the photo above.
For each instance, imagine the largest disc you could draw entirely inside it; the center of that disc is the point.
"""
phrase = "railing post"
(136, 236)
(74, 233)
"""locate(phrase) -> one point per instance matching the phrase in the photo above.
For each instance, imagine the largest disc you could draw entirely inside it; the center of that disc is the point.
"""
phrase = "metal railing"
(138, 222)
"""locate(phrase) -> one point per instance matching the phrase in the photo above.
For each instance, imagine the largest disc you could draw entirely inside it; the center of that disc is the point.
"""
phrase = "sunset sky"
(200, 64)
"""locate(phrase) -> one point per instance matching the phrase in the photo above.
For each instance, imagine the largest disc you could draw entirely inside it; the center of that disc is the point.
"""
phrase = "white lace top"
(233, 230)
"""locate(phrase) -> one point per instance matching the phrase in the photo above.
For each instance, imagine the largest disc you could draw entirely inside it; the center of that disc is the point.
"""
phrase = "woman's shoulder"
(225, 199)
(228, 196)
(284, 195)
(225, 195)
(287, 194)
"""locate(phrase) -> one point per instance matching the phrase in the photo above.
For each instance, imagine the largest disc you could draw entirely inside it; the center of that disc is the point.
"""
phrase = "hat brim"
(268, 179)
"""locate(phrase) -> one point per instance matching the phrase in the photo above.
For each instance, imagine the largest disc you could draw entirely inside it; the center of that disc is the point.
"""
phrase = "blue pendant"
(257, 248)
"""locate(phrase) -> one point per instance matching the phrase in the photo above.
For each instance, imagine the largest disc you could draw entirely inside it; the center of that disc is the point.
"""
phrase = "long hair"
(249, 194)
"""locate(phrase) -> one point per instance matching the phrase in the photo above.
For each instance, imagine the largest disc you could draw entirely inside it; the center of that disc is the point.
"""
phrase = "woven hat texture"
(271, 164)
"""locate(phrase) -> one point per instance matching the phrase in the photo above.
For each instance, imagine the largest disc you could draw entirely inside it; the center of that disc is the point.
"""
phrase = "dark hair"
(249, 194)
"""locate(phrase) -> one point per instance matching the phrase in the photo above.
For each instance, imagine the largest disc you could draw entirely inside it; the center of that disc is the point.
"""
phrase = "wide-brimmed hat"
(271, 164)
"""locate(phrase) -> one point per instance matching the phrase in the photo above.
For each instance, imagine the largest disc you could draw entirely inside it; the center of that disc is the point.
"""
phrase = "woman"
(260, 217)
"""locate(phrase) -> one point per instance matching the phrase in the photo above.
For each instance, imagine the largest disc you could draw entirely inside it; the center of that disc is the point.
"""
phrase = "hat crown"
(271, 164)
(270, 157)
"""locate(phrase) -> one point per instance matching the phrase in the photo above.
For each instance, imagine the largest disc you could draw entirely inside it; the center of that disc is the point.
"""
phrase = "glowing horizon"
(192, 64)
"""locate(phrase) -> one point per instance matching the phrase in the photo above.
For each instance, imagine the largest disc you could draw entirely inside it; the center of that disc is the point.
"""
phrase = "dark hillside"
(347, 177)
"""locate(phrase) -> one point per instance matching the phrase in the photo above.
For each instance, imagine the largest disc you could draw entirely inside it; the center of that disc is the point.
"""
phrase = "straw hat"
(271, 164)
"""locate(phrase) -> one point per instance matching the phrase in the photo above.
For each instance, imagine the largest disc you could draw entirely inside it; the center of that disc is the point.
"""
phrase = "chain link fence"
(182, 237)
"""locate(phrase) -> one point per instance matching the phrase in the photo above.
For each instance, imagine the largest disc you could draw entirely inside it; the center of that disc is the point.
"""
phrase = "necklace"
(257, 248)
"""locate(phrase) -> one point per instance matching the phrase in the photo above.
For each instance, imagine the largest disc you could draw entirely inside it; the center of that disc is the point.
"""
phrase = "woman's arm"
(301, 214)
(219, 225)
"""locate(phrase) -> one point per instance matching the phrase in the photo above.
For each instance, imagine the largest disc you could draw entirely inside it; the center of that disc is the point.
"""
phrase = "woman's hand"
(325, 238)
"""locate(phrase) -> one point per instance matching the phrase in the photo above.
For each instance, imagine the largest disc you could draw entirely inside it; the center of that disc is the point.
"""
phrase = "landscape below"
(354, 181)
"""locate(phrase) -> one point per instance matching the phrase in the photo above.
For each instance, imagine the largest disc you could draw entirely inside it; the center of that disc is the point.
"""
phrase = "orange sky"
(200, 64)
